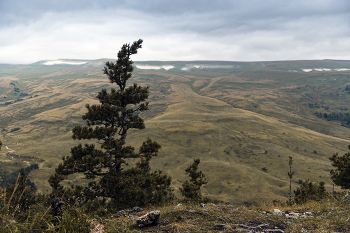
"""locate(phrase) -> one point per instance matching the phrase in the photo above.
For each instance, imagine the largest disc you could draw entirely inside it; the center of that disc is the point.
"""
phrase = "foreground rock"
(291, 214)
(97, 227)
(149, 219)
(278, 212)
(56, 208)
(259, 225)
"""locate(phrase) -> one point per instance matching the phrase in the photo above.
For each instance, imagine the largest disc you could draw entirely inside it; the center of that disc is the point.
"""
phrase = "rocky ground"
(326, 216)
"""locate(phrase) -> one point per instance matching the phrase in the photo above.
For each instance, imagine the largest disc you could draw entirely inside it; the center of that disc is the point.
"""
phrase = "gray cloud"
(175, 30)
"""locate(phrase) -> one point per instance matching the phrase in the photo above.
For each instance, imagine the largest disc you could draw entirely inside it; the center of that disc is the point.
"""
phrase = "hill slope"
(242, 119)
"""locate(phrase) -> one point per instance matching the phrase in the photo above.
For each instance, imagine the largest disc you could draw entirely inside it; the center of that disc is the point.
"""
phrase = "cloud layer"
(246, 30)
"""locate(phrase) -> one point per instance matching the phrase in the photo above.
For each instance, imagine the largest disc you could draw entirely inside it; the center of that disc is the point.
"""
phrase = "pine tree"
(108, 123)
(341, 174)
(190, 189)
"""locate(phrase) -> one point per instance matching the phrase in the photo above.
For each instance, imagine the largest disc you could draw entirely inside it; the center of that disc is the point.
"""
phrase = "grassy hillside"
(242, 119)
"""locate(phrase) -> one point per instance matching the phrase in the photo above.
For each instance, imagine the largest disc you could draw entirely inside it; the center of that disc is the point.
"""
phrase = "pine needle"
(18, 201)
(34, 221)
(4, 197)
(45, 212)
(14, 190)
(13, 214)
(28, 217)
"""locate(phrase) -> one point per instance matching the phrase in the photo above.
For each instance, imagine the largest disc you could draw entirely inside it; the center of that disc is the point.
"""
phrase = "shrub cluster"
(333, 116)
(310, 191)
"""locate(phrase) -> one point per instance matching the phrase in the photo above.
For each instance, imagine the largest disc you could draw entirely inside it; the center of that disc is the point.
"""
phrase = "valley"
(242, 119)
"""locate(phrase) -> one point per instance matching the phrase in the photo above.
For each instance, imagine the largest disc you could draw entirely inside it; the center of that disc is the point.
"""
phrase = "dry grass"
(328, 216)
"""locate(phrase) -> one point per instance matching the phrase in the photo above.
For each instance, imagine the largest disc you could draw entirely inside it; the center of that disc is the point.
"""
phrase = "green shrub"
(309, 191)
(74, 219)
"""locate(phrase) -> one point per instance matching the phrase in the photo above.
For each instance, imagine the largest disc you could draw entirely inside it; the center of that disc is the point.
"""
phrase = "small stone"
(136, 209)
(178, 205)
(294, 215)
(202, 205)
(309, 213)
(117, 215)
(191, 211)
(220, 226)
(277, 212)
(97, 227)
(149, 219)
(56, 208)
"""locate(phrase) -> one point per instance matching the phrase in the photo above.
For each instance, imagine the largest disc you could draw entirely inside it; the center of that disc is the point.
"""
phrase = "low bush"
(310, 191)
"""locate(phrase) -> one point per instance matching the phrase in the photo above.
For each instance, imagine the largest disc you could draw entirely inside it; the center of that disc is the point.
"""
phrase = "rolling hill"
(242, 119)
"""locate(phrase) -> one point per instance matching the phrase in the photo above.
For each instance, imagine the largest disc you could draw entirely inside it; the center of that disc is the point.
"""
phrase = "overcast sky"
(234, 30)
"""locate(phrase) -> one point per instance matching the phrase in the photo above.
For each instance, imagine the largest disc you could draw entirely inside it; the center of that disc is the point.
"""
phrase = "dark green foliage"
(75, 220)
(20, 208)
(309, 191)
(108, 123)
(31, 167)
(190, 189)
(11, 178)
(15, 129)
(347, 87)
(333, 116)
(71, 195)
(341, 174)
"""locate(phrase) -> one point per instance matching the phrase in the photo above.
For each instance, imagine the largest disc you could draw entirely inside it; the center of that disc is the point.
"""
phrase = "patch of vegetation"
(309, 191)
(15, 129)
(347, 88)
(8, 179)
(328, 215)
(23, 94)
(333, 116)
